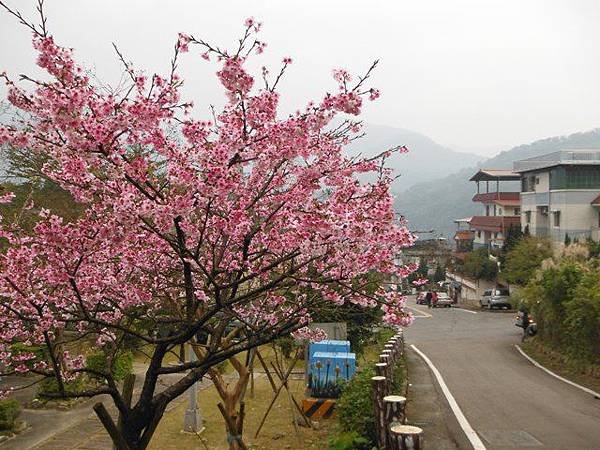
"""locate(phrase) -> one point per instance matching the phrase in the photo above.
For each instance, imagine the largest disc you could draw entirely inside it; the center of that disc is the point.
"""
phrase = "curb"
(595, 394)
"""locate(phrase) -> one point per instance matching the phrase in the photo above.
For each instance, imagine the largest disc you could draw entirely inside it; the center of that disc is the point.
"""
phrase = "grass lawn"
(277, 433)
(563, 366)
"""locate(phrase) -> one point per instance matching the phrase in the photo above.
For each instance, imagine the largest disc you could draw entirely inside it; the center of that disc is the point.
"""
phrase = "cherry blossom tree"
(211, 227)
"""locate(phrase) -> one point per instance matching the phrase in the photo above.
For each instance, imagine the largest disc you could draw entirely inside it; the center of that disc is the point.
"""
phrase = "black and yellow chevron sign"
(318, 408)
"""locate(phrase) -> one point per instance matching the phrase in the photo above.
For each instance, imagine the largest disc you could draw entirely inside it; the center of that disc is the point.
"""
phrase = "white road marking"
(537, 364)
(424, 314)
(462, 420)
(466, 310)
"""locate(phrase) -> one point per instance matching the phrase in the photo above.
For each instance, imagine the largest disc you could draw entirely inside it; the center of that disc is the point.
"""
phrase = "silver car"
(495, 298)
(443, 300)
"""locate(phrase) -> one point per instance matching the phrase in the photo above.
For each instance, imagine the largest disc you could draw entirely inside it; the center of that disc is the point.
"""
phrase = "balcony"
(495, 223)
(490, 197)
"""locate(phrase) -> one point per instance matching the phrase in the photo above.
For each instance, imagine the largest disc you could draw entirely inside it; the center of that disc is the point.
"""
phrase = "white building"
(560, 194)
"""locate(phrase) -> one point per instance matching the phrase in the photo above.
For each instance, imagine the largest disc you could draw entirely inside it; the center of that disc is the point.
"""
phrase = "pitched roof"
(464, 235)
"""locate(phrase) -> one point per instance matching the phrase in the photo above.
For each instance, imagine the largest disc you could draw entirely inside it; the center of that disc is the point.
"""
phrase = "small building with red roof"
(501, 207)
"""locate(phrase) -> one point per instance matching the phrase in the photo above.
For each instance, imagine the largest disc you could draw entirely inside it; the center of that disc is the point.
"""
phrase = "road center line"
(462, 420)
(424, 314)
(465, 310)
(548, 371)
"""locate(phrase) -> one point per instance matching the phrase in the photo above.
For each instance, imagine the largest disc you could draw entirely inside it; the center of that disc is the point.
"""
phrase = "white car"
(443, 300)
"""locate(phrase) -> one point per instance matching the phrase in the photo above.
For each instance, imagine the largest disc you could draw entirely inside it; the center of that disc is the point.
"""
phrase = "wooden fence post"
(406, 437)
(383, 370)
(379, 391)
(384, 357)
(393, 406)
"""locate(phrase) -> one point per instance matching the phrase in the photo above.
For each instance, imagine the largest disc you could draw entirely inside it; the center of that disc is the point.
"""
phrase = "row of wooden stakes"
(390, 418)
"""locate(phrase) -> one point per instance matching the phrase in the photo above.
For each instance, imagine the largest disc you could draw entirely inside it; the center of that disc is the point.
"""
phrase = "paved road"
(509, 402)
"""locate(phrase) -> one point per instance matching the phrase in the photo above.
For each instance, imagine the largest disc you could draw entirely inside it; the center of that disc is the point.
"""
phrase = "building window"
(527, 216)
(517, 211)
(479, 234)
(575, 177)
(556, 218)
(499, 211)
(487, 210)
(528, 183)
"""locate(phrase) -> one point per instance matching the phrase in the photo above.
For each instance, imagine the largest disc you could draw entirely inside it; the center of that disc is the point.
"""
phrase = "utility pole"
(192, 421)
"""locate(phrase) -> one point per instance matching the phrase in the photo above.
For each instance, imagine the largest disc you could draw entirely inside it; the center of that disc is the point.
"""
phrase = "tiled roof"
(464, 235)
(494, 223)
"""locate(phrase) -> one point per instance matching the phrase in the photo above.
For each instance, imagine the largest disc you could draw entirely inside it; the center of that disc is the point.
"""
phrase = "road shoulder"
(427, 409)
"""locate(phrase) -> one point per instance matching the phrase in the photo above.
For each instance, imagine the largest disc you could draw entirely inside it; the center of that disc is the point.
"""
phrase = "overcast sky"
(476, 75)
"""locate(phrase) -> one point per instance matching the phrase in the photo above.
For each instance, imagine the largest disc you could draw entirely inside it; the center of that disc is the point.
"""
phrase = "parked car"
(421, 298)
(443, 300)
(495, 298)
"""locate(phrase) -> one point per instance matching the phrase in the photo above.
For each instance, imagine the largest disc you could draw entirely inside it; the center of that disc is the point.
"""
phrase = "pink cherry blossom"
(246, 216)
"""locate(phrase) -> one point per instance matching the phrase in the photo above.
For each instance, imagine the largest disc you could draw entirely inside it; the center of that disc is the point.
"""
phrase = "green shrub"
(50, 385)
(565, 301)
(122, 364)
(525, 258)
(478, 265)
(349, 441)
(582, 320)
(9, 411)
(355, 406)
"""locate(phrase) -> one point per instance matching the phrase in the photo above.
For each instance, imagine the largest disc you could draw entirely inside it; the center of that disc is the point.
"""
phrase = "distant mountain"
(436, 204)
(426, 159)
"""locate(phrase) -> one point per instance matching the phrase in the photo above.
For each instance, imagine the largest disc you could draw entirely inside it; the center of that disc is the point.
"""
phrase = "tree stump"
(406, 437)
(384, 358)
(388, 352)
(379, 392)
(401, 342)
(383, 370)
(393, 411)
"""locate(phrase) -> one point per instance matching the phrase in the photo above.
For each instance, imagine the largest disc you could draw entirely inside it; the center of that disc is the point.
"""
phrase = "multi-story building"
(560, 194)
(501, 208)
(463, 238)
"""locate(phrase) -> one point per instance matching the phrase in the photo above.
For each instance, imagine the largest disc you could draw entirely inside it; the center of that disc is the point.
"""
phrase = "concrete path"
(510, 403)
